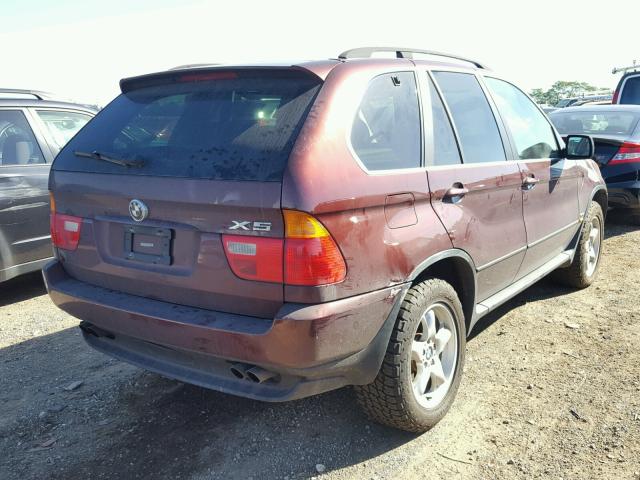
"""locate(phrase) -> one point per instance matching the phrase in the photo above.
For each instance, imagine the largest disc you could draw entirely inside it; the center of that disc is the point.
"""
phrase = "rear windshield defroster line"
(238, 125)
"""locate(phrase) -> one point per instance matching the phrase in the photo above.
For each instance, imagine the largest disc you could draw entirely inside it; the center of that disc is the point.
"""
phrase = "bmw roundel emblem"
(138, 210)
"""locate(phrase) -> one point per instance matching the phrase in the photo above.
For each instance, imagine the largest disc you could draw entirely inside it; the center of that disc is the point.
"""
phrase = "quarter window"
(18, 145)
(531, 131)
(386, 129)
(477, 129)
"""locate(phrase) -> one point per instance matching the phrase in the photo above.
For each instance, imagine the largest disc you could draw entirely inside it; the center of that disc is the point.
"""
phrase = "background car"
(33, 129)
(615, 130)
(628, 90)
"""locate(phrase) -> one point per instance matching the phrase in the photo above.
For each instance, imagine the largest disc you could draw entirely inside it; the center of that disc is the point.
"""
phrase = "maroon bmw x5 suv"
(279, 231)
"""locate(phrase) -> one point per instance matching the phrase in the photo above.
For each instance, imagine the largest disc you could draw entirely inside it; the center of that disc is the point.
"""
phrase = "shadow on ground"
(618, 223)
(22, 288)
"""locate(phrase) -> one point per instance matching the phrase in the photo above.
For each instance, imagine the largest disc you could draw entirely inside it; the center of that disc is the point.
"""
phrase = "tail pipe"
(239, 370)
(259, 375)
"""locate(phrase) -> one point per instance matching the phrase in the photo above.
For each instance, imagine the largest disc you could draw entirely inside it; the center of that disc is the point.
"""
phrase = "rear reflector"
(254, 258)
(627, 153)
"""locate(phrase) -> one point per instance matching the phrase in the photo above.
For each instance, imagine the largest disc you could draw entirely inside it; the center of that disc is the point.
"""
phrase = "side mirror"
(579, 147)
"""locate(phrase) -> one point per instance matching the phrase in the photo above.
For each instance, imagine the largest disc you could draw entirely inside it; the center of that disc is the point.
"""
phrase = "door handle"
(455, 193)
(529, 182)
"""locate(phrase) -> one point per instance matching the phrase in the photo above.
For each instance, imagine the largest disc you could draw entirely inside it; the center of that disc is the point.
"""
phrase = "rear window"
(631, 91)
(590, 122)
(239, 126)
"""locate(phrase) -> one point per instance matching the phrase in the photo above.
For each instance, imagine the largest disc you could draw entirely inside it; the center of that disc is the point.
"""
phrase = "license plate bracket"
(157, 241)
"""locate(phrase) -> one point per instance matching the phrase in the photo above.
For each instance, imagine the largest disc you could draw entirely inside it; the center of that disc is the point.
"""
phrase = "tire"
(582, 272)
(391, 399)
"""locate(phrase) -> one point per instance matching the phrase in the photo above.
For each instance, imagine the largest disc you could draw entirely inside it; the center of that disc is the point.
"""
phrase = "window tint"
(386, 130)
(444, 148)
(631, 91)
(240, 125)
(18, 146)
(61, 126)
(531, 131)
(477, 129)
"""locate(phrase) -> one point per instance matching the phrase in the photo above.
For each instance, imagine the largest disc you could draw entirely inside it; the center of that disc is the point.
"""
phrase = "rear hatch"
(201, 153)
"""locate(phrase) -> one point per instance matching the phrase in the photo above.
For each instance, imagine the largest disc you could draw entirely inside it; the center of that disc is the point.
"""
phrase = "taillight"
(627, 153)
(307, 255)
(616, 94)
(254, 258)
(311, 256)
(65, 229)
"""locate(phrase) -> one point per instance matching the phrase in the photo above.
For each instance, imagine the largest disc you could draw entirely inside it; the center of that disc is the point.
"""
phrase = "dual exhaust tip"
(252, 373)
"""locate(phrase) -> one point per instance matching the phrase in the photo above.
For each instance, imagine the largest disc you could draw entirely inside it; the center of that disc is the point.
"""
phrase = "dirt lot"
(551, 390)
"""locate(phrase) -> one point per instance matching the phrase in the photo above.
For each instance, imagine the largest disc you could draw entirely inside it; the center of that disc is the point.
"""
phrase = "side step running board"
(515, 288)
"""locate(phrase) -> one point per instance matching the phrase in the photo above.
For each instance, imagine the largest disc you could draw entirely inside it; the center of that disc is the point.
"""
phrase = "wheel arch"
(601, 196)
(456, 267)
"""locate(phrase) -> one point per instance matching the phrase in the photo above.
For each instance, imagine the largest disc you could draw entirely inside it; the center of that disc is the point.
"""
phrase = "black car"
(33, 129)
(616, 132)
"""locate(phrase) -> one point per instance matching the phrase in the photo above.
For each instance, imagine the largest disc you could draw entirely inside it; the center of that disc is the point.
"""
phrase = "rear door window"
(631, 91)
(18, 145)
(62, 125)
(477, 129)
(226, 125)
(385, 133)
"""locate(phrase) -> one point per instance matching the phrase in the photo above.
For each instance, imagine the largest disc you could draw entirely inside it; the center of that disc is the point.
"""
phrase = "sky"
(80, 49)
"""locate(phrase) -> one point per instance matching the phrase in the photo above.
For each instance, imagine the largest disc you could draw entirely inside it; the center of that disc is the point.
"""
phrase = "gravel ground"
(551, 390)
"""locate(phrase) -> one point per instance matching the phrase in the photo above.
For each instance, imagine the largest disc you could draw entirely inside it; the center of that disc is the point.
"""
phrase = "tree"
(562, 89)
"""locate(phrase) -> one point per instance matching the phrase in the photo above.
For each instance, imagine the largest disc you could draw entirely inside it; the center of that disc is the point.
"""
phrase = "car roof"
(600, 108)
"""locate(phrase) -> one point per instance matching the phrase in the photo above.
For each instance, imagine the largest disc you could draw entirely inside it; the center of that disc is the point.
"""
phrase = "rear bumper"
(311, 348)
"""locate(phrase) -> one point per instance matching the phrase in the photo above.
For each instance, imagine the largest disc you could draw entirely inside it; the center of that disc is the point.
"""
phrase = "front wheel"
(586, 261)
(421, 370)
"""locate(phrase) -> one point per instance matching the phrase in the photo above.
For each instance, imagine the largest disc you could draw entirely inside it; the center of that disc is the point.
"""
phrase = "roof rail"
(7, 92)
(626, 69)
(367, 52)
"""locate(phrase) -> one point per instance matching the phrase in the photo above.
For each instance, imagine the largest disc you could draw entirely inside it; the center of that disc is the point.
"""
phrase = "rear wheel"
(586, 261)
(421, 371)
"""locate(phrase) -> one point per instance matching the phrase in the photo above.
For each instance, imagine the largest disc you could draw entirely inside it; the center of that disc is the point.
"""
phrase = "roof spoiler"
(189, 73)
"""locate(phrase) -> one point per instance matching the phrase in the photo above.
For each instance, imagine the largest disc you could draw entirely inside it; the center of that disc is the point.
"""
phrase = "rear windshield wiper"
(106, 158)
